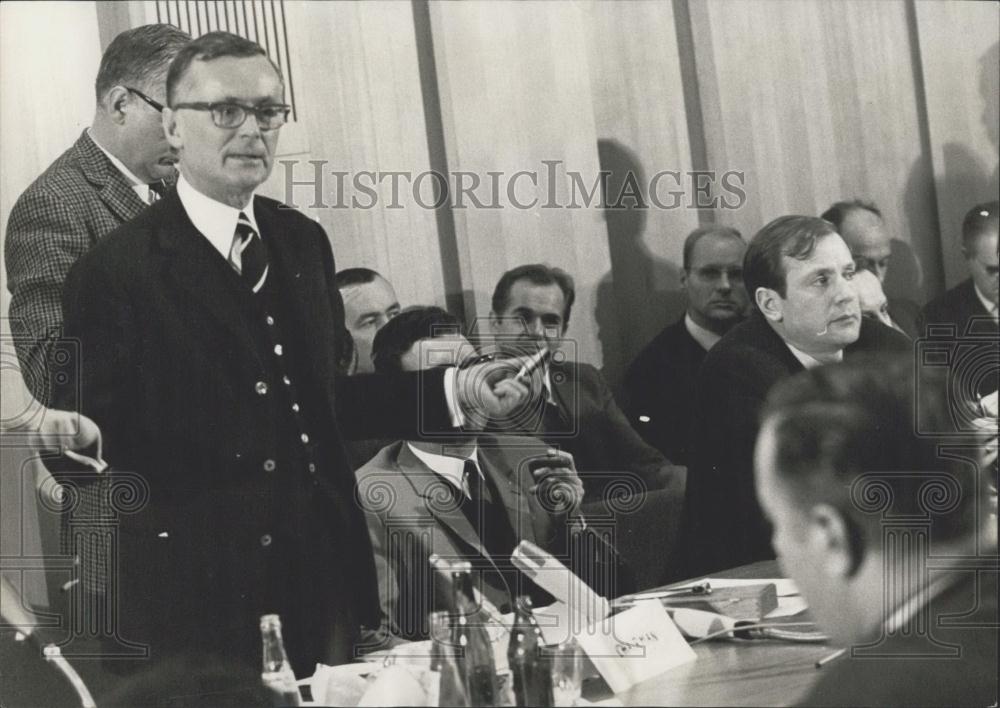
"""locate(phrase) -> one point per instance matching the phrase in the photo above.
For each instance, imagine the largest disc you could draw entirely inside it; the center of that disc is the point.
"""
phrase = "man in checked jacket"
(114, 170)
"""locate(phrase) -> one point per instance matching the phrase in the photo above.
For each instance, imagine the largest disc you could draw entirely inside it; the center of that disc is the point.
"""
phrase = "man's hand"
(64, 430)
(557, 487)
(491, 390)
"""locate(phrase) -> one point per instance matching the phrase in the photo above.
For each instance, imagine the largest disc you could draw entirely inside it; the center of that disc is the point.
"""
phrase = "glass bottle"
(277, 675)
(529, 666)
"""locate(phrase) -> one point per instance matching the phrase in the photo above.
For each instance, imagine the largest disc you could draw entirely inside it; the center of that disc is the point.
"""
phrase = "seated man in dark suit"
(970, 308)
(468, 496)
(798, 273)
(863, 229)
(577, 411)
(840, 469)
(659, 385)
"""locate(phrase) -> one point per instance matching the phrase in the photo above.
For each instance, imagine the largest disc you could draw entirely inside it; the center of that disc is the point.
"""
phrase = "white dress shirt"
(449, 468)
(140, 188)
(809, 361)
(991, 307)
(216, 221)
(705, 337)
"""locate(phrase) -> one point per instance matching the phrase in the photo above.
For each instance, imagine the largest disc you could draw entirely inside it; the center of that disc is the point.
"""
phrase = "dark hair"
(354, 276)
(792, 236)
(138, 57)
(537, 274)
(980, 219)
(847, 435)
(207, 47)
(695, 236)
(839, 211)
(405, 329)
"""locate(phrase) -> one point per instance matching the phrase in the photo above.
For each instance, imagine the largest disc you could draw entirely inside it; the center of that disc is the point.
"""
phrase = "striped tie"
(248, 255)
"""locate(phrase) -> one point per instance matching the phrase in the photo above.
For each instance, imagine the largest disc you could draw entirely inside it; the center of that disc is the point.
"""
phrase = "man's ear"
(494, 321)
(116, 102)
(684, 278)
(171, 129)
(830, 538)
(770, 303)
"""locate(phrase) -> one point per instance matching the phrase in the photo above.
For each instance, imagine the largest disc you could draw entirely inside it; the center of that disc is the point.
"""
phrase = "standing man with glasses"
(659, 384)
(113, 171)
(208, 335)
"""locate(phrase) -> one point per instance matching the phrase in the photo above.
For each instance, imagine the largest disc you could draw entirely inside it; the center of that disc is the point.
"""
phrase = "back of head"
(792, 236)
(863, 436)
(139, 57)
(407, 328)
(207, 47)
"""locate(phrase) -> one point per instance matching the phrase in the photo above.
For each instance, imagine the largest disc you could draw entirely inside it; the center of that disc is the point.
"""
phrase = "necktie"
(156, 191)
(248, 255)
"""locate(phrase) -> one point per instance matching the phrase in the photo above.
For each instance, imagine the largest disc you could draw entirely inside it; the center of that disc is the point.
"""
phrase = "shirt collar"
(452, 469)
(705, 337)
(990, 307)
(216, 221)
(807, 360)
(138, 186)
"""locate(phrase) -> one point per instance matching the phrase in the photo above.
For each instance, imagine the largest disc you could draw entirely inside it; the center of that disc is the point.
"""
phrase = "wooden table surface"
(762, 672)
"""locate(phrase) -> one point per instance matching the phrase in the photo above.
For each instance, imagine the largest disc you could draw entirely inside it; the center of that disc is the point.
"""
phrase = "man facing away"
(113, 171)
(467, 495)
(659, 384)
(208, 330)
(798, 273)
(904, 579)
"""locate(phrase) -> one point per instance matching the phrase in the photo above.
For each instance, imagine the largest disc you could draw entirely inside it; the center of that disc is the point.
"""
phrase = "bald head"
(874, 304)
(865, 234)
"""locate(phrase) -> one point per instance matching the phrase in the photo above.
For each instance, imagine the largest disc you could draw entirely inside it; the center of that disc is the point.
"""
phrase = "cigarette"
(830, 657)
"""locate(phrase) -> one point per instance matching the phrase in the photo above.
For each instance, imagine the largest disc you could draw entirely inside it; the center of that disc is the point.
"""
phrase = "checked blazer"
(79, 199)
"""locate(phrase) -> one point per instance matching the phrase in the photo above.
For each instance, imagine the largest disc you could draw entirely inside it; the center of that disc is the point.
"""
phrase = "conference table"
(762, 672)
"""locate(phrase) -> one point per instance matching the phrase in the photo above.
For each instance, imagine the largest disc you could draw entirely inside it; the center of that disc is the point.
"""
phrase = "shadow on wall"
(631, 308)
(964, 178)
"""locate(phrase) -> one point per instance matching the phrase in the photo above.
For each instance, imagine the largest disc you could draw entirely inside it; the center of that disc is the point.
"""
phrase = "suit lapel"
(189, 263)
(114, 190)
(435, 494)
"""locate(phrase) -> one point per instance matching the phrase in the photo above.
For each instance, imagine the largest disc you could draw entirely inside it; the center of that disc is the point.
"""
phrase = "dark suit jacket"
(906, 315)
(724, 526)
(590, 425)
(411, 515)
(169, 371)
(659, 390)
(961, 309)
(78, 200)
(963, 625)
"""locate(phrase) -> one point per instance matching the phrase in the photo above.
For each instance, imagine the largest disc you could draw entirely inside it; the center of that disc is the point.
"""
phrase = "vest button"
(269, 465)
(278, 350)
(312, 467)
(269, 320)
(304, 438)
(266, 540)
(261, 388)
(295, 407)
(288, 381)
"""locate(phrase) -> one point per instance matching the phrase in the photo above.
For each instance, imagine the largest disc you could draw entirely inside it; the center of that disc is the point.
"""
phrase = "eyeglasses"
(713, 273)
(155, 104)
(233, 115)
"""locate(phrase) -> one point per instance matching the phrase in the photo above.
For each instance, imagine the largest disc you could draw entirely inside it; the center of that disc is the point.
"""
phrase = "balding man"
(874, 304)
(863, 229)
